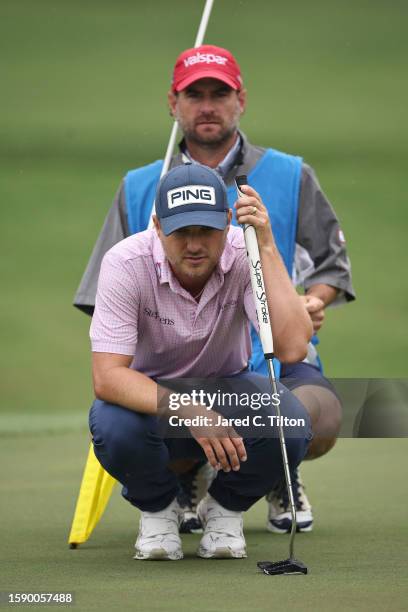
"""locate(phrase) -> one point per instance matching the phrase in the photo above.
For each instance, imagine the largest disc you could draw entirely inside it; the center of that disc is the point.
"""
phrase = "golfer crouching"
(175, 302)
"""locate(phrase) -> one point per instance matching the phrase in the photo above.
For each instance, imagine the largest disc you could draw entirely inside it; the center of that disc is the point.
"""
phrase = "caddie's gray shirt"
(321, 255)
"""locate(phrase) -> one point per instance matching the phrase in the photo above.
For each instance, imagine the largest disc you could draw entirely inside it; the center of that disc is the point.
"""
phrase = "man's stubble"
(211, 141)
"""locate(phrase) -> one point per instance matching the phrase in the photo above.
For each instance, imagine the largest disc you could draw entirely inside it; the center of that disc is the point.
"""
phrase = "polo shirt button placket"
(198, 321)
(193, 317)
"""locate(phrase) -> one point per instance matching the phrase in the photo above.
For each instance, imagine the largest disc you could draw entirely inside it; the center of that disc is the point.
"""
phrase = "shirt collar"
(160, 261)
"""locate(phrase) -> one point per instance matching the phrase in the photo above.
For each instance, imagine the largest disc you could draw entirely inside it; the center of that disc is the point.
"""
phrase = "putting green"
(356, 555)
(85, 86)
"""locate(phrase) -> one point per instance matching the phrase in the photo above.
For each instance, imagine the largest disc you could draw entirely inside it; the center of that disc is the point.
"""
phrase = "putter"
(290, 565)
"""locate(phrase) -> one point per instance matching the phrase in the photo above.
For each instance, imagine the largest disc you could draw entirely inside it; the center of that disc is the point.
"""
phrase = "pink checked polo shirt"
(142, 310)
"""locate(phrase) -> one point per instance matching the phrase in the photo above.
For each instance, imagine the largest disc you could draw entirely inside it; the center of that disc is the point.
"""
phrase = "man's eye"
(207, 231)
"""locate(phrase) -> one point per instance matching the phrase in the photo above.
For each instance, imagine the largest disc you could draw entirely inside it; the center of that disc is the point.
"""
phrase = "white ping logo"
(191, 194)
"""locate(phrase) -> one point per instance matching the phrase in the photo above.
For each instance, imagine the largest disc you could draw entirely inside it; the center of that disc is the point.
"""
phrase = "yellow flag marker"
(94, 494)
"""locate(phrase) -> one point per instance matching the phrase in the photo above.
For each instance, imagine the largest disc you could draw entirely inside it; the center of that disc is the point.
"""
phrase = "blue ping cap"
(191, 194)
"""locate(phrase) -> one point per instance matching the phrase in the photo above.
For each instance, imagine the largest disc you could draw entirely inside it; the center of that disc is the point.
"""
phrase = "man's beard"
(208, 140)
(185, 273)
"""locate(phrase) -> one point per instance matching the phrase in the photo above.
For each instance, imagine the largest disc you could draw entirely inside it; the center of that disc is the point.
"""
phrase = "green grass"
(356, 556)
(83, 100)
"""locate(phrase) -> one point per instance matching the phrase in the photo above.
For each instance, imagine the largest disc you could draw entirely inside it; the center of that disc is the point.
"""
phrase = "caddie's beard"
(210, 140)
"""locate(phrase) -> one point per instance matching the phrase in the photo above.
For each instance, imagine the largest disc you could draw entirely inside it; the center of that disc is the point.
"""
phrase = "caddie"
(192, 270)
(207, 97)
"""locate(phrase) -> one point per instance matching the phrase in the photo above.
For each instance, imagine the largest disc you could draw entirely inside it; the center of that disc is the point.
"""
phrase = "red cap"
(203, 62)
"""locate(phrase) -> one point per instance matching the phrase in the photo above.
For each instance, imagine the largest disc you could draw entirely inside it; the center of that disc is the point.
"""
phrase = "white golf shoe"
(223, 531)
(158, 536)
(279, 516)
(194, 485)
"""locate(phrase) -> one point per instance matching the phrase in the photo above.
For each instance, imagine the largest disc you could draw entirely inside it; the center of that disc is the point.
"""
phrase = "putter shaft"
(286, 470)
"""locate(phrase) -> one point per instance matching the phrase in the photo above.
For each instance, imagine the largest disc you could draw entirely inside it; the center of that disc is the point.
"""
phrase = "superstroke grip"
(257, 281)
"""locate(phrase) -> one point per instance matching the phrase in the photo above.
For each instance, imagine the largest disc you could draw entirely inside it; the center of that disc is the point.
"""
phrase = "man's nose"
(194, 243)
(207, 104)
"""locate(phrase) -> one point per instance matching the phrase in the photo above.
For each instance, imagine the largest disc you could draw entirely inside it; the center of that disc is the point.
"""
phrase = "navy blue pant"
(130, 447)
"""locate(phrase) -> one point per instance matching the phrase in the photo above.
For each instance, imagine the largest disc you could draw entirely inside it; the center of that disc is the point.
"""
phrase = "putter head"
(288, 566)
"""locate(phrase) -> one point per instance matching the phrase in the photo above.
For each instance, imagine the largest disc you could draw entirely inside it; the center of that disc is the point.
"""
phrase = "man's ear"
(242, 96)
(229, 219)
(172, 100)
(156, 224)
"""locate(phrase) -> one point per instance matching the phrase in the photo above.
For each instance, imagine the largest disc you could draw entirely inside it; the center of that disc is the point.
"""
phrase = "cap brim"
(206, 74)
(215, 219)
